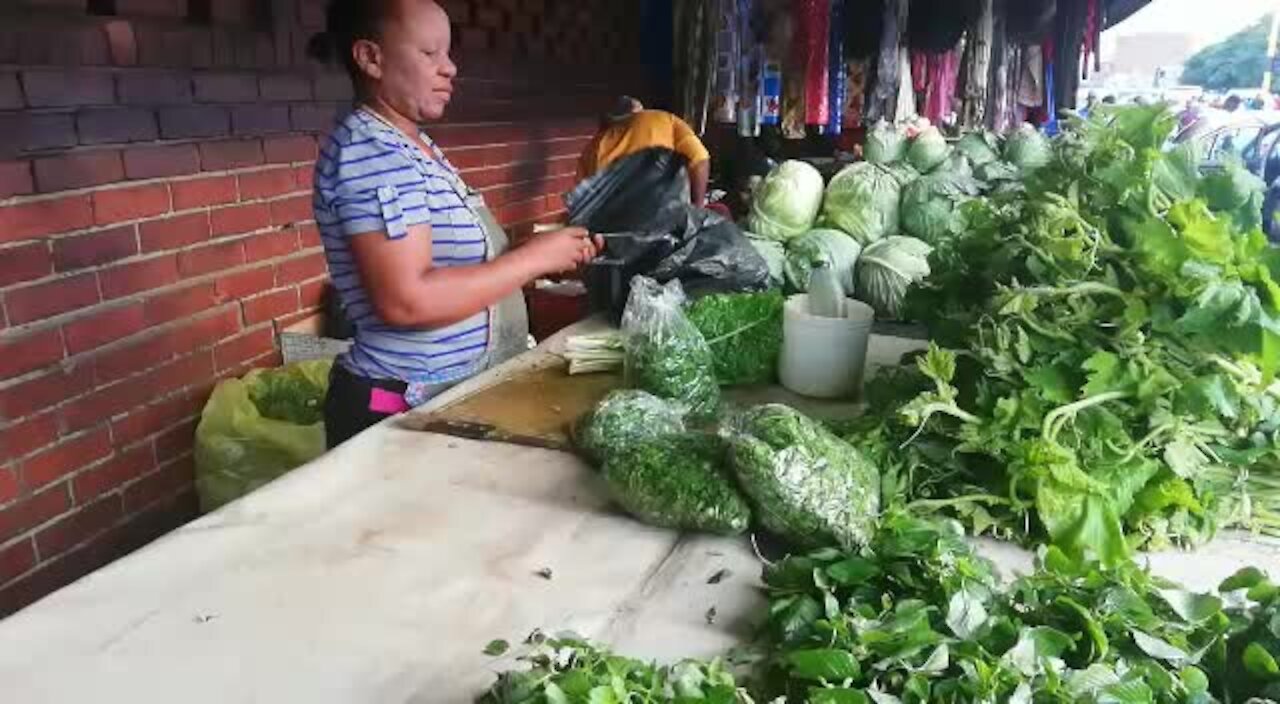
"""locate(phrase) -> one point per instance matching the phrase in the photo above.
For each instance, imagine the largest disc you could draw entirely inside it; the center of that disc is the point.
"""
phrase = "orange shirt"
(643, 130)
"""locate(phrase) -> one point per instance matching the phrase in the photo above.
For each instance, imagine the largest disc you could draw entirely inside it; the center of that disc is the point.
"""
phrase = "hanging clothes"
(695, 60)
(1030, 82)
(905, 101)
(940, 87)
(771, 93)
(836, 75)
(724, 98)
(857, 73)
(750, 72)
(975, 70)
(884, 89)
(813, 42)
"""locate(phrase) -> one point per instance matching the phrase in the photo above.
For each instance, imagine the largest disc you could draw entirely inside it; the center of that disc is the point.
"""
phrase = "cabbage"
(931, 205)
(996, 171)
(885, 144)
(887, 269)
(903, 172)
(831, 246)
(774, 257)
(1027, 149)
(786, 203)
(980, 147)
(928, 150)
(862, 200)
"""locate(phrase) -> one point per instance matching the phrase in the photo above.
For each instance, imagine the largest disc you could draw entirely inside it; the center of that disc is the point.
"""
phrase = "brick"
(153, 88)
(292, 210)
(17, 440)
(122, 43)
(237, 351)
(34, 510)
(240, 219)
(10, 92)
(79, 526)
(94, 248)
(305, 176)
(170, 479)
(309, 236)
(25, 262)
(281, 88)
(66, 457)
(194, 121)
(202, 192)
(235, 154)
(27, 353)
(267, 184)
(16, 179)
(145, 422)
(188, 301)
(289, 149)
(109, 401)
(103, 327)
(312, 117)
(114, 125)
(211, 258)
(45, 300)
(165, 344)
(78, 170)
(175, 232)
(120, 204)
(333, 86)
(177, 441)
(8, 485)
(45, 391)
(299, 269)
(67, 88)
(44, 217)
(270, 306)
(135, 277)
(36, 131)
(225, 87)
(245, 283)
(16, 560)
(161, 161)
(270, 245)
(312, 294)
(256, 120)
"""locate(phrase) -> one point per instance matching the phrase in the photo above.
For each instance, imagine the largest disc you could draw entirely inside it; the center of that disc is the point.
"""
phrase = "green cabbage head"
(834, 247)
(928, 150)
(862, 200)
(1027, 149)
(887, 269)
(931, 205)
(787, 202)
(885, 144)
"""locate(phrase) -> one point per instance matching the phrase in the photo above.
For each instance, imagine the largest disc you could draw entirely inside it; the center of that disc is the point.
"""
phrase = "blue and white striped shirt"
(372, 178)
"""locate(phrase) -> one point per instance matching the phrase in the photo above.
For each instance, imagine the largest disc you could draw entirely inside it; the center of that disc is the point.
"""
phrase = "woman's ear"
(368, 56)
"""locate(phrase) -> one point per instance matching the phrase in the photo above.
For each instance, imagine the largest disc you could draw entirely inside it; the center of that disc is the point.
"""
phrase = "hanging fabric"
(837, 78)
(1003, 59)
(905, 102)
(975, 74)
(724, 98)
(940, 87)
(750, 73)
(695, 59)
(857, 71)
(1030, 84)
(771, 93)
(813, 43)
(886, 85)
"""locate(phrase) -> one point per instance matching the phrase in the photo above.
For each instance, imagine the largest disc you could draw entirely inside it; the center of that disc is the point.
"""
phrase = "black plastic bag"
(641, 205)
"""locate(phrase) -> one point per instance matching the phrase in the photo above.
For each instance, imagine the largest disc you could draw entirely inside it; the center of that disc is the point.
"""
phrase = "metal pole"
(1271, 48)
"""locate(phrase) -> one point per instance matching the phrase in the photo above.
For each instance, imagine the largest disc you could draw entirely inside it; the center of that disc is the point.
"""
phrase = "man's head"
(624, 107)
(397, 52)
(1232, 103)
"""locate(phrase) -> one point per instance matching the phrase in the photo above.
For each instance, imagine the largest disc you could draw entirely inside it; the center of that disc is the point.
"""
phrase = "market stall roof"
(1120, 10)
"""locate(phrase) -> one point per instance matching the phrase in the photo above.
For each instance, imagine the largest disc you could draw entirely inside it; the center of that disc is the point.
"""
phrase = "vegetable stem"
(1054, 419)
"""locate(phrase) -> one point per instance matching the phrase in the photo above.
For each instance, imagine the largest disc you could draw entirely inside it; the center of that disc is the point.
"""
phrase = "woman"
(629, 128)
(405, 239)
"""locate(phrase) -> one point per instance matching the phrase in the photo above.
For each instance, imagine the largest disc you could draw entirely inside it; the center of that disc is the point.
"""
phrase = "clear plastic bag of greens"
(623, 418)
(805, 484)
(665, 353)
(259, 427)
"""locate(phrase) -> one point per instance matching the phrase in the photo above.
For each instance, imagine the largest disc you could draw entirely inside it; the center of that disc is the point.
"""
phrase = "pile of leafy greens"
(917, 617)
(744, 332)
(1105, 347)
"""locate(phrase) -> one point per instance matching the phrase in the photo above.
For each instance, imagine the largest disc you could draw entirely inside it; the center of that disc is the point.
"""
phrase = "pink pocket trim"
(387, 402)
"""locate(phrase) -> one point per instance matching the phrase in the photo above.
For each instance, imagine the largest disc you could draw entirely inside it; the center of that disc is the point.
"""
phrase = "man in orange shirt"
(629, 128)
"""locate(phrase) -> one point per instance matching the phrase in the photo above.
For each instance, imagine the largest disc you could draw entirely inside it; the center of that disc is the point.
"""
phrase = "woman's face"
(413, 73)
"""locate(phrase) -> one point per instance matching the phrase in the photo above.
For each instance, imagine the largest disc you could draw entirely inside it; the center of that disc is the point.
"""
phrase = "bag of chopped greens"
(744, 331)
(624, 418)
(678, 482)
(805, 484)
(259, 427)
(665, 353)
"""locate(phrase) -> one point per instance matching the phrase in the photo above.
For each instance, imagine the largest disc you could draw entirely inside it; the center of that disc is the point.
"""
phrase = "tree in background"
(1235, 62)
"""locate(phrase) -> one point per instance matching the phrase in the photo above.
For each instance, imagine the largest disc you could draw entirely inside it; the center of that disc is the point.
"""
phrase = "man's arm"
(699, 177)
(407, 291)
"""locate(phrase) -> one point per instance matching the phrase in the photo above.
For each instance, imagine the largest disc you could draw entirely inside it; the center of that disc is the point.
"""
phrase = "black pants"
(346, 407)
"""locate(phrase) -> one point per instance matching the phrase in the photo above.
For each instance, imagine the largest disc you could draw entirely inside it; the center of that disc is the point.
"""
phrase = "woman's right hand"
(561, 250)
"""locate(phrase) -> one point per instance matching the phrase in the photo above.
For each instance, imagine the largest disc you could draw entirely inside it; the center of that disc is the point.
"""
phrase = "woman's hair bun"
(322, 47)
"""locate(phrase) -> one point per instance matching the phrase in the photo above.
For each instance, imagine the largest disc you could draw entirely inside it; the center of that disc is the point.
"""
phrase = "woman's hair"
(347, 22)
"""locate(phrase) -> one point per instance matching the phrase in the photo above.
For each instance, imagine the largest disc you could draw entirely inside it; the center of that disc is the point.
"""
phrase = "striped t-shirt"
(370, 177)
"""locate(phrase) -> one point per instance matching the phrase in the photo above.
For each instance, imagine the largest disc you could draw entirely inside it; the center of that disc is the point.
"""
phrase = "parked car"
(1217, 135)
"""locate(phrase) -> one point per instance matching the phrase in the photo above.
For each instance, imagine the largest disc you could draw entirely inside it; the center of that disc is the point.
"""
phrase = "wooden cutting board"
(536, 408)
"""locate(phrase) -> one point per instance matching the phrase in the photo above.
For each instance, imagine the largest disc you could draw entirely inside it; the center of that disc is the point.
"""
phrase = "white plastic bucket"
(824, 357)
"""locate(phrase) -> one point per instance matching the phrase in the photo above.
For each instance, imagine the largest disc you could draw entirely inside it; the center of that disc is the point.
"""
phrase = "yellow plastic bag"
(259, 427)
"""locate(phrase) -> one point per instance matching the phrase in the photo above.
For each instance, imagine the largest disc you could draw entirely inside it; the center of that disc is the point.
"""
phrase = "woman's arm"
(407, 291)
(699, 177)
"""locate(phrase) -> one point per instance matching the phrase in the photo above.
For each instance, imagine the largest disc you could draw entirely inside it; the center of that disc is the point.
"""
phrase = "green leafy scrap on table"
(1106, 344)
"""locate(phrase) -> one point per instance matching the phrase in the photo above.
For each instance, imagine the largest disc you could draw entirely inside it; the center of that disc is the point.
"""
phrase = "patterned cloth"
(370, 177)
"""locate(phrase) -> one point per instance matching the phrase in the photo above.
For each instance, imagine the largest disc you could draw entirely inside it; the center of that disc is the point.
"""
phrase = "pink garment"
(813, 43)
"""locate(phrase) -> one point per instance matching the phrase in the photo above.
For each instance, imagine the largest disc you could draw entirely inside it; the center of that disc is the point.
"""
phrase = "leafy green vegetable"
(774, 256)
(679, 482)
(1027, 149)
(624, 418)
(835, 248)
(787, 201)
(862, 201)
(805, 484)
(928, 150)
(931, 205)
(885, 144)
(289, 394)
(979, 147)
(744, 332)
(888, 269)
(665, 353)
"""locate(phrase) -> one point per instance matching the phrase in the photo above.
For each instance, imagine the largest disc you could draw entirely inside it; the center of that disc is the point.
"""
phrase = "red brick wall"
(156, 234)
